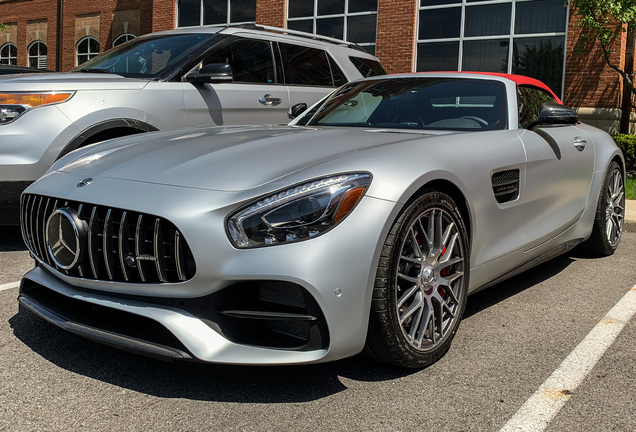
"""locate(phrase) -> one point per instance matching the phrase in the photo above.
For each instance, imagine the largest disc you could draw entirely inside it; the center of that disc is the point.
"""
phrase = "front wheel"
(421, 284)
(610, 213)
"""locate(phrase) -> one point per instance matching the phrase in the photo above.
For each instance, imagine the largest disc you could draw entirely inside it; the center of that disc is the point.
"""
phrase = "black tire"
(610, 214)
(421, 284)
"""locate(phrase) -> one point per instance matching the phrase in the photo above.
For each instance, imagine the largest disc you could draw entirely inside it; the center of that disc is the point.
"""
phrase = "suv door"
(560, 163)
(256, 95)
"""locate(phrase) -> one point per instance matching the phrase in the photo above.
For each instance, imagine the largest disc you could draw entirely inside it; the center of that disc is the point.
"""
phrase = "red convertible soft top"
(520, 80)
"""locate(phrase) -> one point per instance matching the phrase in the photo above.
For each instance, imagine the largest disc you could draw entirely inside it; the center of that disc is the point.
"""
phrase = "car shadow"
(230, 383)
(195, 381)
(11, 239)
(510, 287)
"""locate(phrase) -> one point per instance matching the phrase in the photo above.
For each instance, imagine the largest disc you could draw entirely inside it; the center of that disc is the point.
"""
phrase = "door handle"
(269, 100)
(580, 143)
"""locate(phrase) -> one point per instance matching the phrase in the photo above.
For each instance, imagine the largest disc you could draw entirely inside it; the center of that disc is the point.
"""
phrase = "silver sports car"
(361, 226)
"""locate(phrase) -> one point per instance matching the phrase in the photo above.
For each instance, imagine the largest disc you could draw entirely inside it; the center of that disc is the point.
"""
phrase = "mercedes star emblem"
(84, 182)
(65, 237)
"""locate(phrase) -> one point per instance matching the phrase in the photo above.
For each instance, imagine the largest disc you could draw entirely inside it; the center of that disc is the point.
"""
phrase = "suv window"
(252, 60)
(310, 67)
(530, 99)
(367, 67)
(147, 57)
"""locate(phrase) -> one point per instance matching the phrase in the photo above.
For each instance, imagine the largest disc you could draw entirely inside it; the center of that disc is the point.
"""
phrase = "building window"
(9, 54)
(351, 20)
(215, 12)
(87, 48)
(525, 37)
(37, 55)
(123, 38)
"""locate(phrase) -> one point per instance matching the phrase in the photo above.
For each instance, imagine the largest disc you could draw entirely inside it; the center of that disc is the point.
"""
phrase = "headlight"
(298, 213)
(13, 105)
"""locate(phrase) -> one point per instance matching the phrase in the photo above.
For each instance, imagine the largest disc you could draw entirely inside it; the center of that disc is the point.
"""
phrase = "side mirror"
(296, 110)
(212, 73)
(555, 114)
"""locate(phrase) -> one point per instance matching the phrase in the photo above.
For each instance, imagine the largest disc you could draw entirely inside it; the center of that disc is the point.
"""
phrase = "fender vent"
(505, 185)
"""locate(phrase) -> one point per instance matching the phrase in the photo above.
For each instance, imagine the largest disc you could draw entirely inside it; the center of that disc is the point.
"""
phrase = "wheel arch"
(108, 129)
(450, 189)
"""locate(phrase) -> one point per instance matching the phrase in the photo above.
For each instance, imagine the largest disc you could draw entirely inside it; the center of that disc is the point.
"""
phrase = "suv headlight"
(297, 213)
(13, 105)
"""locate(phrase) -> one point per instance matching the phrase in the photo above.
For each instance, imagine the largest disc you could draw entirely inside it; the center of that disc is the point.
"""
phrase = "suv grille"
(112, 244)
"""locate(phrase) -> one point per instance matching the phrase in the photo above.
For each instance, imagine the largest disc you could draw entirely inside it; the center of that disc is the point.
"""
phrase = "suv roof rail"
(301, 34)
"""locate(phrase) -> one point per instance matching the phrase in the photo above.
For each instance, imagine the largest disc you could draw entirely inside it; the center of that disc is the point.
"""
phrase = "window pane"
(488, 20)
(486, 55)
(367, 67)
(332, 27)
(540, 58)
(363, 6)
(214, 12)
(361, 29)
(437, 56)
(306, 66)
(330, 7)
(440, 23)
(438, 2)
(242, 10)
(189, 13)
(300, 8)
(543, 16)
(530, 99)
(303, 25)
(251, 60)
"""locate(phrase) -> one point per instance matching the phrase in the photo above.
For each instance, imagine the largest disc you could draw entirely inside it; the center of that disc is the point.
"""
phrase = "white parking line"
(545, 403)
(9, 286)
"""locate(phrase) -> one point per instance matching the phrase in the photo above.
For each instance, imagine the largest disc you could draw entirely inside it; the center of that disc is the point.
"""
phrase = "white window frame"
(344, 16)
(8, 59)
(89, 53)
(126, 36)
(511, 35)
(228, 20)
(41, 58)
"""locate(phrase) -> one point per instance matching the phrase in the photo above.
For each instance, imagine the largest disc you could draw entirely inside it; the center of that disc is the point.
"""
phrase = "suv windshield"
(148, 57)
(416, 103)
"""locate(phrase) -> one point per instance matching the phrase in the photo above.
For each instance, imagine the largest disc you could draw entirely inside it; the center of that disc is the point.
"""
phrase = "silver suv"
(166, 80)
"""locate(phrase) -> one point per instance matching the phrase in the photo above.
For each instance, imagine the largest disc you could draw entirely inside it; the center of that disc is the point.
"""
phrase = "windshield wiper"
(97, 70)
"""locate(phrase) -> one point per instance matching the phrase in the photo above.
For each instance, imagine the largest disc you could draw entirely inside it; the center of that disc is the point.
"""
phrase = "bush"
(627, 144)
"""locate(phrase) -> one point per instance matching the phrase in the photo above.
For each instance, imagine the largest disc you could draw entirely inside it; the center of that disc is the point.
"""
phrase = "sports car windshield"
(416, 103)
(148, 57)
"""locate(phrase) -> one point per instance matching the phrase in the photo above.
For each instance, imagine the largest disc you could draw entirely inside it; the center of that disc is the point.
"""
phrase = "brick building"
(531, 37)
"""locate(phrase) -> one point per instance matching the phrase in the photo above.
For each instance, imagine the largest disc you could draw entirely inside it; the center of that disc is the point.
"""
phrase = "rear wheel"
(421, 284)
(610, 213)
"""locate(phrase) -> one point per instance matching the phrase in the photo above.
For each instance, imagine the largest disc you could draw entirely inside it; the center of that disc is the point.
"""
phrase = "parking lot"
(514, 336)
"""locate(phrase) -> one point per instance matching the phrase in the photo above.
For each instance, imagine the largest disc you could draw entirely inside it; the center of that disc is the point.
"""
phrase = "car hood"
(223, 158)
(68, 81)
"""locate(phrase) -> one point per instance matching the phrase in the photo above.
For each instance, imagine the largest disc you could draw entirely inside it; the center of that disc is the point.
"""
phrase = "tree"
(606, 21)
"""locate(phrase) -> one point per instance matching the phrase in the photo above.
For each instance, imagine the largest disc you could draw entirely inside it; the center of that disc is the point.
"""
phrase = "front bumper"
(304, 302)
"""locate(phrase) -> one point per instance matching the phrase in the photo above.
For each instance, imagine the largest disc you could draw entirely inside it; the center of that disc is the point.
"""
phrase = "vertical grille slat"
(140, 245)
(178, 256)
(93, 242)
(107, 246)
(159, 250)
(114, 240)
(124, 247)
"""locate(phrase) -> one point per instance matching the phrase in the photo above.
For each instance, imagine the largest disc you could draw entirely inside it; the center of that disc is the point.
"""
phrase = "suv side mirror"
(296, 110)
(555, 114)
(212, 73)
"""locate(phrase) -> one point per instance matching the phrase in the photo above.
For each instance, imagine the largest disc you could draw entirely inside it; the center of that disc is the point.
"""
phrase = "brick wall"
(396, 35)
(271, 12)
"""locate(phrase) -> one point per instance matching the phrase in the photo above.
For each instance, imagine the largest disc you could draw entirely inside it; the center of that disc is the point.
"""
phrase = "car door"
(559, 168)
(257, 94)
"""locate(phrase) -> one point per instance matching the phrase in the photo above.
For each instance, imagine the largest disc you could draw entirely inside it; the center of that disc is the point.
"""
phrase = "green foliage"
(630, 188)
(627, 144)
(3, 27)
